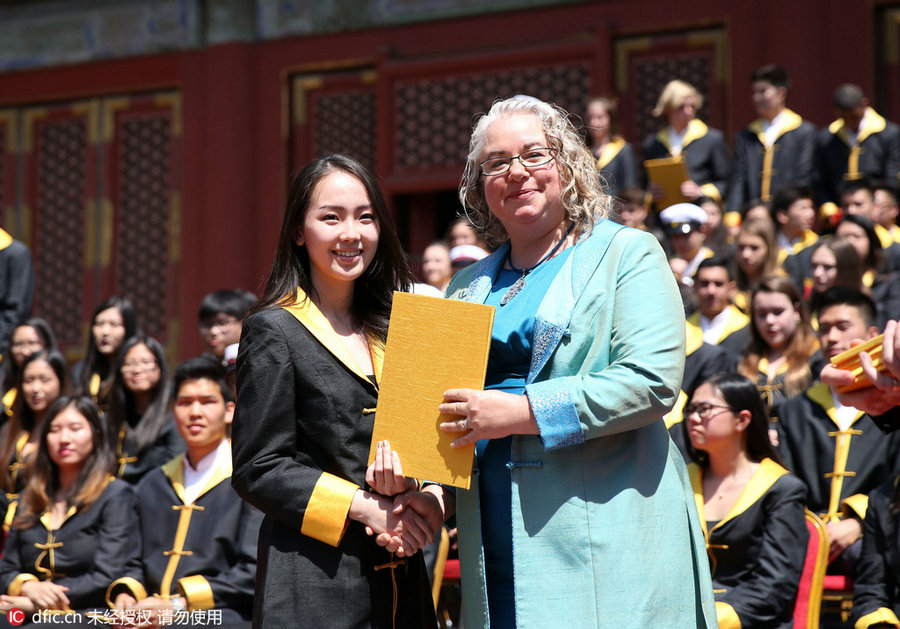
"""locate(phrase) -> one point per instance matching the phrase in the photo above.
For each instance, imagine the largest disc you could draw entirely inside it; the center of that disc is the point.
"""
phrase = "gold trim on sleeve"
(197, 592)
(326, 513)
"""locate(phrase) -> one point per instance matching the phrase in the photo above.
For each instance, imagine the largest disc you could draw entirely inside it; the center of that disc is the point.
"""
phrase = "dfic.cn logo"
(16, 616)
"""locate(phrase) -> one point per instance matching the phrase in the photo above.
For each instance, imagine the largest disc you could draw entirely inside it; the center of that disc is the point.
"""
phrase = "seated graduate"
(876, 589)
(30, 336)
(199, 537)
(42, 380)
(139, 423)
(751, 508)
(75, 525)
(782, 343)
(833, 448)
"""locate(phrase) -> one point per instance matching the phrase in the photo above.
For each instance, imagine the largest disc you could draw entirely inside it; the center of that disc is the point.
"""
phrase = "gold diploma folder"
(668, 173)
(433, 345)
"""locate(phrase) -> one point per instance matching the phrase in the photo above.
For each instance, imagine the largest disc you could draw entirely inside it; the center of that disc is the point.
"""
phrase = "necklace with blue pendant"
(519, 284)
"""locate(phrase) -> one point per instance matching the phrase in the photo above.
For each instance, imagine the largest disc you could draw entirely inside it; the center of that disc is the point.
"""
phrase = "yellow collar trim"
(609, 152)
(820, 393)
(763, 478)
(307, 313)
(763, 367)
(174, 471)
(45, 516)
(5, 239)
(694, 334)
(792, 120)
(696, 129)
(873, 123)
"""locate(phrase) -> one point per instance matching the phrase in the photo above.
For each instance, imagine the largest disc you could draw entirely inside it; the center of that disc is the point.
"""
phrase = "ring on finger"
(464, 424)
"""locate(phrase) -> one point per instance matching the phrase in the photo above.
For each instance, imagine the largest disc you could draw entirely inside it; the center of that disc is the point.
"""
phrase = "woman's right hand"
(379, 515)
(46, 595)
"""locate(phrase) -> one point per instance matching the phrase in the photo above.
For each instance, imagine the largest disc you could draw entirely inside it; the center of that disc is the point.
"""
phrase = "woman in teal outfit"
(582, 511)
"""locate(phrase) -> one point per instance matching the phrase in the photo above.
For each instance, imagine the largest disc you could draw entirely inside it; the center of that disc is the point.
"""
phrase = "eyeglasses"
(143, 365)
(704, 410)
(221, 322)
(26, 344)
(531, 158)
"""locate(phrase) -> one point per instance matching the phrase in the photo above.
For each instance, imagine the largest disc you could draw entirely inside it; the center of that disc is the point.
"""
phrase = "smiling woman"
(308, 368)
(573, 461)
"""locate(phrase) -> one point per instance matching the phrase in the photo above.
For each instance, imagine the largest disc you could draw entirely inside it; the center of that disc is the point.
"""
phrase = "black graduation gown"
(792, 161)
(705, 156)
(216, 555)
(618, 166)
(132, 468)
(16, 286)
(89, 549)
(757, 551)
(877, 156)
(300, 440)
(856, 461)
(876, 589)
(702, 361)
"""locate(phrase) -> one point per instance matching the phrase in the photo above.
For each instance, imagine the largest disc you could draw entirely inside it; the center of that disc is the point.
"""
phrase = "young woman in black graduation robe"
(305, 412)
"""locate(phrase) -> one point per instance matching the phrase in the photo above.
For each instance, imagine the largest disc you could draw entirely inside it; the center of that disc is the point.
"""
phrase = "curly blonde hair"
(583, 196)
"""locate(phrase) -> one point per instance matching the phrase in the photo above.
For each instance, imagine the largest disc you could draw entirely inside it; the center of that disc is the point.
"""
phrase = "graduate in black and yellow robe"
(76, 525)
(615, 158)
(859, 145)
(308, 369)
(198, 537)
(840, 465)
(757, 551)
(876, 588)
(750, 507)
(17, 288)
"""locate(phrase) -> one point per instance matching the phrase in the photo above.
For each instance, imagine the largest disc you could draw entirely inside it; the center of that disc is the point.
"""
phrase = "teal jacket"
(605, 530)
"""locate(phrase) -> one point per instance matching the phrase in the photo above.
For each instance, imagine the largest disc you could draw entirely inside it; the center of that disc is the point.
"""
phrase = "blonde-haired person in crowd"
(703, 148)
(781, 345)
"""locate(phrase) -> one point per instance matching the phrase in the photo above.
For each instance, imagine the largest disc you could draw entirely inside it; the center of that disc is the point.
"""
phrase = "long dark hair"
(43, 330)
(373, 291)
(875, 259)
(740, 394)
(43, 481)
(23, 417)
(140, 430)
(95, 362)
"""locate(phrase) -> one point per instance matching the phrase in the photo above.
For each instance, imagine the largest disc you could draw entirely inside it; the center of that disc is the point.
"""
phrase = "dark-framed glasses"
(705, 411)
(532, 158)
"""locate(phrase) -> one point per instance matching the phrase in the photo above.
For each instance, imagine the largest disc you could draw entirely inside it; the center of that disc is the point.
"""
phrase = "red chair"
(838, 594)
(812, 579)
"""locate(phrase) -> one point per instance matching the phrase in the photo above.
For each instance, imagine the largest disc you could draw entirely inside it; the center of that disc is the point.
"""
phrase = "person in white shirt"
(198, 536)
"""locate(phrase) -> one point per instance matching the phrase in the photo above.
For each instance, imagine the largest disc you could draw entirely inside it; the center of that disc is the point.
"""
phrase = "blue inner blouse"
(508, 365)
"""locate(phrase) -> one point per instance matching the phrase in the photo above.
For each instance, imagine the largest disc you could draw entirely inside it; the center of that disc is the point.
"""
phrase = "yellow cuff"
(727, 617)
(196, 591)
(125, 584)
(15, 587)
(882, 614)
(326, 513)
(731, 219)
(855, 505)
(709, 190)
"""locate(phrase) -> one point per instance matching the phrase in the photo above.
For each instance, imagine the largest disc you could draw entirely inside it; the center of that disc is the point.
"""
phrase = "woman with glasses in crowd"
(751, 507)
(28, 337)
(140, 426)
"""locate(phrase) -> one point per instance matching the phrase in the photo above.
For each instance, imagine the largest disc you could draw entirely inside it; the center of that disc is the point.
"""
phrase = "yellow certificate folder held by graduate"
(668, 173)
(433, 345)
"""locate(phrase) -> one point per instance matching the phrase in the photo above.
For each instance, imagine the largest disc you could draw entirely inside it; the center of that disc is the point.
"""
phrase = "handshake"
(402, 516)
